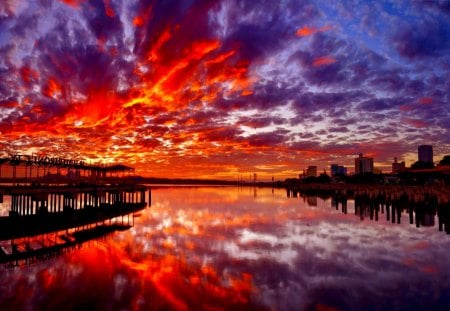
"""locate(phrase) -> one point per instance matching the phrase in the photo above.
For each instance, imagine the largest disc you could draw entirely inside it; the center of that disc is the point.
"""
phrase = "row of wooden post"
(30, 204)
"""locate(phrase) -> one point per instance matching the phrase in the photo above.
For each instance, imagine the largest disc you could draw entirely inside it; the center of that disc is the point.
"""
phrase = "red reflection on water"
(231, 249)
(107, 275)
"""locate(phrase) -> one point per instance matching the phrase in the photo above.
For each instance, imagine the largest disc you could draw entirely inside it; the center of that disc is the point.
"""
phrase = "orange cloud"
(323, 60)
(173, 83)
(138, 21)
(52, 88)
(143, 17)
(308, 31)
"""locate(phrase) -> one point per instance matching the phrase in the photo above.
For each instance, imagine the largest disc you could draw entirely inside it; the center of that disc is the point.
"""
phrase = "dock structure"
(36, 210)
(34, 200)
(70, 210)
(68, 199)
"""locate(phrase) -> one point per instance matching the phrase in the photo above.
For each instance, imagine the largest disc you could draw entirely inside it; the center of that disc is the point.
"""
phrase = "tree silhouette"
(422, 165)
(445, 160)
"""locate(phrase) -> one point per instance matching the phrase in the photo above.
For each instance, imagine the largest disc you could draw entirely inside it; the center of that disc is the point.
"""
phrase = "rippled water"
(211, 248)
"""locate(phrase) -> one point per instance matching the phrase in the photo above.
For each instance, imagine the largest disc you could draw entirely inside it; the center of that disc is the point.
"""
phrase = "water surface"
(213, 248)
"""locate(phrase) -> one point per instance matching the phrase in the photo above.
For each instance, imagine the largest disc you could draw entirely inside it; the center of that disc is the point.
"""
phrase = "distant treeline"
(180, 181)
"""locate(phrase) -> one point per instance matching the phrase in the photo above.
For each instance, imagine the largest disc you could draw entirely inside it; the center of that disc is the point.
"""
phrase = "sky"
(227, 88)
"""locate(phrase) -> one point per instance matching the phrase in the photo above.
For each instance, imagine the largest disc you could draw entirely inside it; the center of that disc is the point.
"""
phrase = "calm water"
(242, 249)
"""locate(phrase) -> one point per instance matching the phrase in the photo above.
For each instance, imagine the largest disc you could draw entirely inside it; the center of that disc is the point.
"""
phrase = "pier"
(55, 204)
(32, 200)
(48, 208)
(46, 221)
(46, 170)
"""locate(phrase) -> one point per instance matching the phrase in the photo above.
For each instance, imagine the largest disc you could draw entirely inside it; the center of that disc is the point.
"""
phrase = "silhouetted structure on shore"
(45, 169)
(425, 153)
(77, 203)
(363, 165)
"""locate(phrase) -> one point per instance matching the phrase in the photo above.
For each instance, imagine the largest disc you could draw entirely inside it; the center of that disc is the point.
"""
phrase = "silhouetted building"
(338, 170)
(363, 165)
(311, 171)
(398, 167)
(425, 153)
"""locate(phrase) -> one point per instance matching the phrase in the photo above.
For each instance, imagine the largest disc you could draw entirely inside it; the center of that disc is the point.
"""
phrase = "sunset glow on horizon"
(225, 88)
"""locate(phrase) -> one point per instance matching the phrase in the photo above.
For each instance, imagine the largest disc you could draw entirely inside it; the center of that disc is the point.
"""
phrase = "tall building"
(311, 171)
(425, 153)
(338, 170)
(398, 167)
(363, 164)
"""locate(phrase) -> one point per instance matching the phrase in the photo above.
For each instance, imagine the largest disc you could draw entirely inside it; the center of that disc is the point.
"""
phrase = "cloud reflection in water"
(207, 248)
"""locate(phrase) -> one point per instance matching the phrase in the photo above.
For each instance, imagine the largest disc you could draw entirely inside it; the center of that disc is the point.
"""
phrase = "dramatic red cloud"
(199, 89)
(73, 3)
(52, 88)
(108, 9)
(201, 71)
(28, 74)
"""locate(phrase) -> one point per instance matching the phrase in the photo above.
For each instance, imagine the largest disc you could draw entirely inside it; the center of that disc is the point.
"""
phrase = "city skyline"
(215, 89)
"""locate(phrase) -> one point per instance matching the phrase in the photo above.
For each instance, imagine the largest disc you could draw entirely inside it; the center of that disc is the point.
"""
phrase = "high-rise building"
(363, 164)
(425, 153)
(398, 167)
(338, 170)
